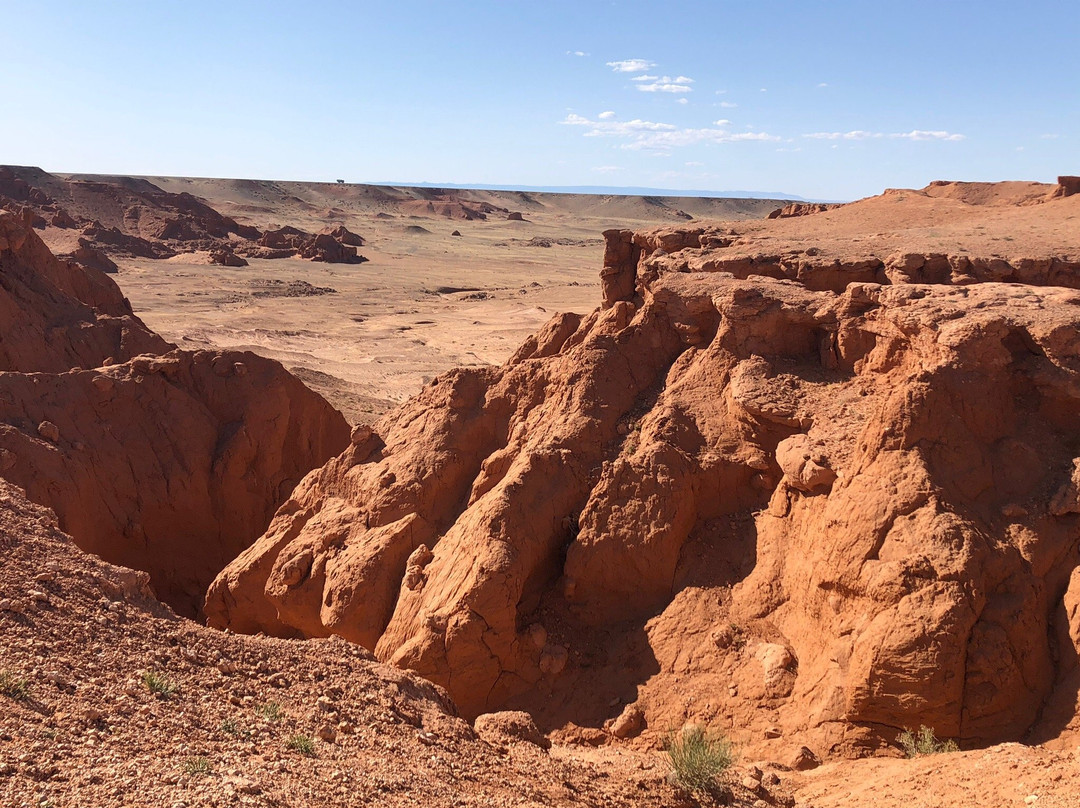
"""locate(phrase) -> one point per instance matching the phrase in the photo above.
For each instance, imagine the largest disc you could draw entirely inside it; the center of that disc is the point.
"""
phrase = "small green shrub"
(230, 727)
(924, 742)
(158, 684)
(270, 711)
(14, 687)
(197, 766)
(304, 744)
(698, 758)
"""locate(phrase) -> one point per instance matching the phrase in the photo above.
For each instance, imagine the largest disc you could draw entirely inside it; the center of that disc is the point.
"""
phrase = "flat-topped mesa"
(807, 515)
(1067, 186)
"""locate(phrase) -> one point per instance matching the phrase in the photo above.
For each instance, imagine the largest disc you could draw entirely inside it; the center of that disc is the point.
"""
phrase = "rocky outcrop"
(343, 235)
(337, 246)
(168, 461)
(817, 507)
(56, 315)
(1067, 186)
(801, 209)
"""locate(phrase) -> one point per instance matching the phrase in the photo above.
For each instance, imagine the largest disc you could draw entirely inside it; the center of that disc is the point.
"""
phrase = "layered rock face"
(164, 460)
(835, 503)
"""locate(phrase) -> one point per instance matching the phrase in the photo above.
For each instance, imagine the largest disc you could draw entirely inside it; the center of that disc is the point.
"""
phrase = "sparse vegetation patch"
(13, 687)
(197, 766)
(924, 742)
(303, 744)
(158, 684)
(698, 758)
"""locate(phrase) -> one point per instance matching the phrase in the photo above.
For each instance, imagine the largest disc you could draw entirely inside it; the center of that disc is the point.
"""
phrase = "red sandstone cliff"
(832, 502)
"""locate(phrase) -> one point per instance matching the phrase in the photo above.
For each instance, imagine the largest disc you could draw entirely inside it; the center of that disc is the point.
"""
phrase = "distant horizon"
(593, 190)
(828, 101)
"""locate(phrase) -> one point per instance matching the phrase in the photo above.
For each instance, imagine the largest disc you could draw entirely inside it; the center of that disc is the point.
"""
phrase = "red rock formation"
(327, 247)
(55, 315)
(1067, 186)
(168, 462)
(345, 236)
(801, 209)
(832, 507)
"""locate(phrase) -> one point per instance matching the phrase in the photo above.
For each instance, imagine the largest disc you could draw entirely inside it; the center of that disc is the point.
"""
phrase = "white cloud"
(694, 163)
(606, 115)
(631, 65)
(728, 105)
(689, 137)
(576, 53)
(644, 77)
(1049, 136)
(859, 134)
(668, 86)
(722, 122)
(681, 100)
(922, 134)
(660, 137)
(609, 128)
(823, 84)
(607, 169)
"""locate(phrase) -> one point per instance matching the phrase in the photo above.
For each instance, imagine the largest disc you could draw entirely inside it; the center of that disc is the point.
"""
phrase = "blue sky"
(831, 100)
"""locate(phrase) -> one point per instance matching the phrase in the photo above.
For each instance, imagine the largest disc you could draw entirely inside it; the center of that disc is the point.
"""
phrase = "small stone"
(754, 773)
(553, 659)
(239, 368)
(360, 434)
(629, 723)
(750, 784)
(49, 431)
(773, 732)
(102, 383)
(324, 703)
(805, 759)
(327, 733)
(770, 780)
(7, 459)
(38, 596)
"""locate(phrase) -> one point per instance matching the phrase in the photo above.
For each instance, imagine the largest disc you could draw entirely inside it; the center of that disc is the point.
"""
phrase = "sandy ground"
(426, 301)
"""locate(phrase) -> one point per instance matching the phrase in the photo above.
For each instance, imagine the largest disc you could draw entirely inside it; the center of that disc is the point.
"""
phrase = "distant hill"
(602, 190)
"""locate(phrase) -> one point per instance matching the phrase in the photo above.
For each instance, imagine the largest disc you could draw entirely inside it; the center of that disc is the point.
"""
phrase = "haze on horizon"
(832, 100)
